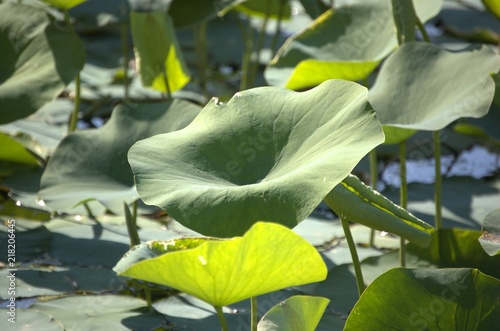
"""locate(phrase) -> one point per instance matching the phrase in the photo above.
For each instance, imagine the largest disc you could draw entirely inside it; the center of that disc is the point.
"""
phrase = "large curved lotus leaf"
(64, 4)
(92, 164)
(357, 202)
(39, 58)
(490, 239)
(298, 313)
(347, 43)
(267, 258)
(419, 86)
(442, 299)
(269, 154)
(157, 51)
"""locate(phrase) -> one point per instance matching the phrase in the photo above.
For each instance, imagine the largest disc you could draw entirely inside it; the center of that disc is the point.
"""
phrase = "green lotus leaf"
(14, 156)
(64, 4)
(407, 13)
(101, 312)
(222, 272)
(490, 239)
(418, 86)
(39, 58)
(157, 51)
(442, 299)
(394, 135)
(269, 154)
(493, 6)
(357, 202)
(298, 313)
(92, 164)
(347, 43)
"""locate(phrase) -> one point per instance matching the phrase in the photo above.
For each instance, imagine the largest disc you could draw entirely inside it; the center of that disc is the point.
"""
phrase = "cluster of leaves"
(236, 175)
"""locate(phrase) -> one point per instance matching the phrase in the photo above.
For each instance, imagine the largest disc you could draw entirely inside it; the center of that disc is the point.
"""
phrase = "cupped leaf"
(443, 299)
(298, 313)
(222, 272)
(490, 239)
(418, 86)
(157, 51)
(347, 43)
(64, 4)
(269, 154)
(357, 202)
(92, 164)
(39, 58)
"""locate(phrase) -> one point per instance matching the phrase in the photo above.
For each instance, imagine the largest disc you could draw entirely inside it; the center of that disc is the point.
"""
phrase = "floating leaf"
(101, 312)
(64, 4)
(222, 272)
(357, 202)
(39, 58)
(157, 51)
(444, 299)
(490, 239)
(298, 313)
(419, 87)
(270, 154)
(347, 43)
(92, 164)
(31, 319)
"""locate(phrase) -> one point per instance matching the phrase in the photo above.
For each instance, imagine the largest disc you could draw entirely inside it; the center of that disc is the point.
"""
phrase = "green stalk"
(254, 314)
(222, 318)
(403, 191)
(274, 43)
(354, 255)
(168, 94)
(76, 108)
(374, 180)
(438, 221)
(260, 45)
(89, 212)
(130, 220)
(422, 30)
(200, 33)
(124, 44)
(247, 37)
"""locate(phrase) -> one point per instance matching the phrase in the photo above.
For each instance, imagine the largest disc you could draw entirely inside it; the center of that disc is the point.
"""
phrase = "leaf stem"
(422, 30)
(403, 192)
(247, 37)
(254, 314)
(354, 255)
(168, 94)
(130, 220)
(200, 33)
(76, 108)
(277, 33)
(222, 318)
(374, 180)
(260, 45)
(438, 220)
(124, 44)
